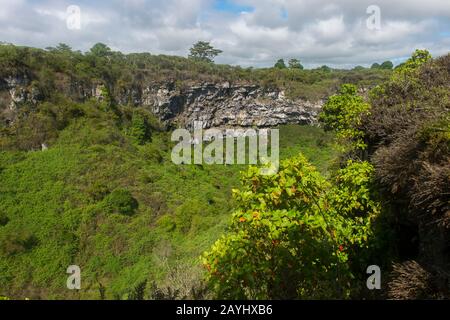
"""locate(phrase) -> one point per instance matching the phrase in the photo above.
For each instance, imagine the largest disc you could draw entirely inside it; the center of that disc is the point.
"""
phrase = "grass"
(55, 203)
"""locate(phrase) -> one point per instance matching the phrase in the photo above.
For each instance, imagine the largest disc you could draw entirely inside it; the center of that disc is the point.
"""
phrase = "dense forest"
(368, 185)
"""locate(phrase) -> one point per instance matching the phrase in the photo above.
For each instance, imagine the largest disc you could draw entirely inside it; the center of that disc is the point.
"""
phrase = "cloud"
(250, 32)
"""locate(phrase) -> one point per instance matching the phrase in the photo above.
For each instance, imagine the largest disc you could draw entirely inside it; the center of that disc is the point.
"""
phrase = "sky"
(342, 33)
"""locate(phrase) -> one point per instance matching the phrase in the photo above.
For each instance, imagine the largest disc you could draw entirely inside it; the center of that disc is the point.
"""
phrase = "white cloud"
(316, 31)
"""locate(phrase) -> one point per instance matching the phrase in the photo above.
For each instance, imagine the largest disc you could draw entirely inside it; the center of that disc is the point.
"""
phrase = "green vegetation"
(408, 135)
(107, 197)
(418, 58)
(52, 69)
(121, 201)
(299, 235)
(280, 64)
(294, 234)
(295, 64)
(204, 51)
(343, 114)
(387, 65)
(104, 194)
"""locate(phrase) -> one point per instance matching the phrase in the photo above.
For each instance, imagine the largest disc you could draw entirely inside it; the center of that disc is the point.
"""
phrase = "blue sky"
(250, 32)
(231, 6)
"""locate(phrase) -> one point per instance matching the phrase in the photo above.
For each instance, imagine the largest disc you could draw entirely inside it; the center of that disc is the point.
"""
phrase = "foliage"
(295, 64)
(100, 50)
(61, 197)
(121, 201)
(343, 113)
(290, 235)
(138, 293)
(58, 209)
(204, 51)
(280, 64)
(140, 129)
(3, 220)
(52, 71)
(387, 65)
(15, 243)
(325, 68)
(407, 133)
(418, 58)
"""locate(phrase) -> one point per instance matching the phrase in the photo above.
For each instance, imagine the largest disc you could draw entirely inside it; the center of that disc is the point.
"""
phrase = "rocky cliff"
(215, 104)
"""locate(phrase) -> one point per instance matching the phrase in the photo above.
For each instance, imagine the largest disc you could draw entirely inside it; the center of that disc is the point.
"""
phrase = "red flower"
(341, 248)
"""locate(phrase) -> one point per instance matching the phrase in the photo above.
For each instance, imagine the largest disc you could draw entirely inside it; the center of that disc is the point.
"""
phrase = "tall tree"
(375, 66)
(388, 65)
(101, 50)
(280, 64)
(204, 51)
(62, 47)
(325, 68)
(295, 64)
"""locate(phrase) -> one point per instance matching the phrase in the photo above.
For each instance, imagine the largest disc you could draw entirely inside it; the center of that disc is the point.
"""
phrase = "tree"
(62, 47)
(387, 65)
(376, 65)
(204, 51)
(343, 114)
(418, 58)
(139, 130)
(295, 64)
(101, 50)
(280, 64)
(325, 68)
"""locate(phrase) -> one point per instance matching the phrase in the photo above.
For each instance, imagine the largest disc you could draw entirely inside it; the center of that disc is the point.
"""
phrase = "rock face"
(215, 104)
(223, 105)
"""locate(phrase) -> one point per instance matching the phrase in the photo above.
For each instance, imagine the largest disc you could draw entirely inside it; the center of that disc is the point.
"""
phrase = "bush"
(97, 191)
(15, 243)
(121, 201)
(408, 133)
(166, 223)
(292, 234)
(343, 113)
(3, 219)
(139, 130)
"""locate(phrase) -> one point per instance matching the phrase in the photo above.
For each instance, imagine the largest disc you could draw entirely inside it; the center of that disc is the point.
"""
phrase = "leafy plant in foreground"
(289, 237)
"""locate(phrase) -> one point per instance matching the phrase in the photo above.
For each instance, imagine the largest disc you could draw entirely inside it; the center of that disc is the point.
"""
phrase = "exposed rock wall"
(223, 105)
(216, 105)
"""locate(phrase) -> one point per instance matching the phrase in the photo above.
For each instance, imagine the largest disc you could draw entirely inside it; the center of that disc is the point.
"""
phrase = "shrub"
(15, 243)
(410, 281)
(139, 130)
(166, 223)
(152, 153)
(97, 191)
(343, 113)
(290, 235)
(408, 136)
(121, 201)
(3, 219)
